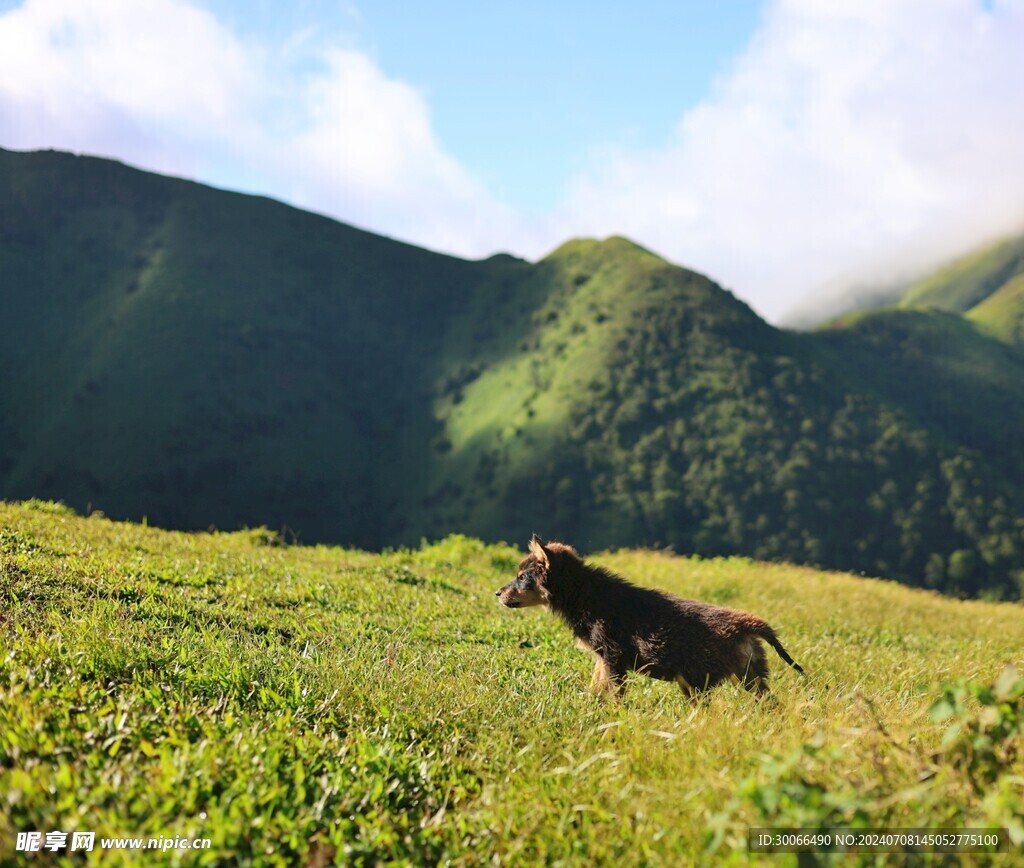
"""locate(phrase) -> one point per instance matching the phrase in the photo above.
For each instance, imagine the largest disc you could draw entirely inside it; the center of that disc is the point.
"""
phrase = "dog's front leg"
(607, 681)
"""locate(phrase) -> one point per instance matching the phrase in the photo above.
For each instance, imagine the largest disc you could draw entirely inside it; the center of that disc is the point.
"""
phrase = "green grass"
(300, 704)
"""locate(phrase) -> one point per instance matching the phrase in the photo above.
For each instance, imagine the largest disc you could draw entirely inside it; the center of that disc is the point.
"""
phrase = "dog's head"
(535, 575)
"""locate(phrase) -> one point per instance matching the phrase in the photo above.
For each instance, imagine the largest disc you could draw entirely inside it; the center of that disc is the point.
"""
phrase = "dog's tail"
(768, 634)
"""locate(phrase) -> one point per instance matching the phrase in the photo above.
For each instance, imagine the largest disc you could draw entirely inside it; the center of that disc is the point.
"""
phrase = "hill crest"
(209, 358)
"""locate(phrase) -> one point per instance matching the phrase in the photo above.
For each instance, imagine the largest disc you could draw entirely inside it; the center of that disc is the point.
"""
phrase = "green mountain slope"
(646, 405)
(200, 357)
(970, 280)
(203, 357)
(986, 286)
(1002, 313)
(975, 383)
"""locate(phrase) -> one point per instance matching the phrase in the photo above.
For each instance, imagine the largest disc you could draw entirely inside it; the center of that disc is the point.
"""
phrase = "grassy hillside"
(985, 286)
(967, 282)
(201, 358)
(1002, 313)
(312, 704)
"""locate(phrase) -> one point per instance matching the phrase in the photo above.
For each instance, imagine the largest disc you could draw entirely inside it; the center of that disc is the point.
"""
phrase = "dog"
(628, 628)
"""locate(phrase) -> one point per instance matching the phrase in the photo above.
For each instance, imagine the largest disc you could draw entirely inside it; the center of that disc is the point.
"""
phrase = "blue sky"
(788, 148)
(524, 94)
(527, 92)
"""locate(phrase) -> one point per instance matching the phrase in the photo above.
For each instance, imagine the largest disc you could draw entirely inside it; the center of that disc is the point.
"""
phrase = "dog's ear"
(538, 551)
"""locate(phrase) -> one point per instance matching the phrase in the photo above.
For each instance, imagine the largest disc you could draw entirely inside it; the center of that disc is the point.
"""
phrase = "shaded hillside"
(200, 357)
(949, 376)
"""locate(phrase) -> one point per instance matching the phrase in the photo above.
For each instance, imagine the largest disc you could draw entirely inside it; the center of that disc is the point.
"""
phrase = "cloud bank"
(850, 142)
(163, 85)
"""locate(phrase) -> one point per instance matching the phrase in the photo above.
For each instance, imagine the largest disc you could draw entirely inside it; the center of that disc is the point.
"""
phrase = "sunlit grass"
(303, 703)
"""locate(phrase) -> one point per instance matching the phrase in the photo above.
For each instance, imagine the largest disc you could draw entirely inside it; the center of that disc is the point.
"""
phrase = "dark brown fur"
(628, 628)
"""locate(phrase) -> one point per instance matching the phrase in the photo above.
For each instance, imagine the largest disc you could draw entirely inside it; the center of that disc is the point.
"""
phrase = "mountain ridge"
(985, 286)
(203, 358)
(967, 282)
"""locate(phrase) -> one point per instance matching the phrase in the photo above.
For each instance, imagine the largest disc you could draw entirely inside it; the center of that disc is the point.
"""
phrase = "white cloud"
(851, 142)
(153, 83)
(368, 144)
(163, 85)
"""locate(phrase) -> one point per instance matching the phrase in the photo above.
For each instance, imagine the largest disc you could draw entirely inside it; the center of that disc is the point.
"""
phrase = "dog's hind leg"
(754, 674)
